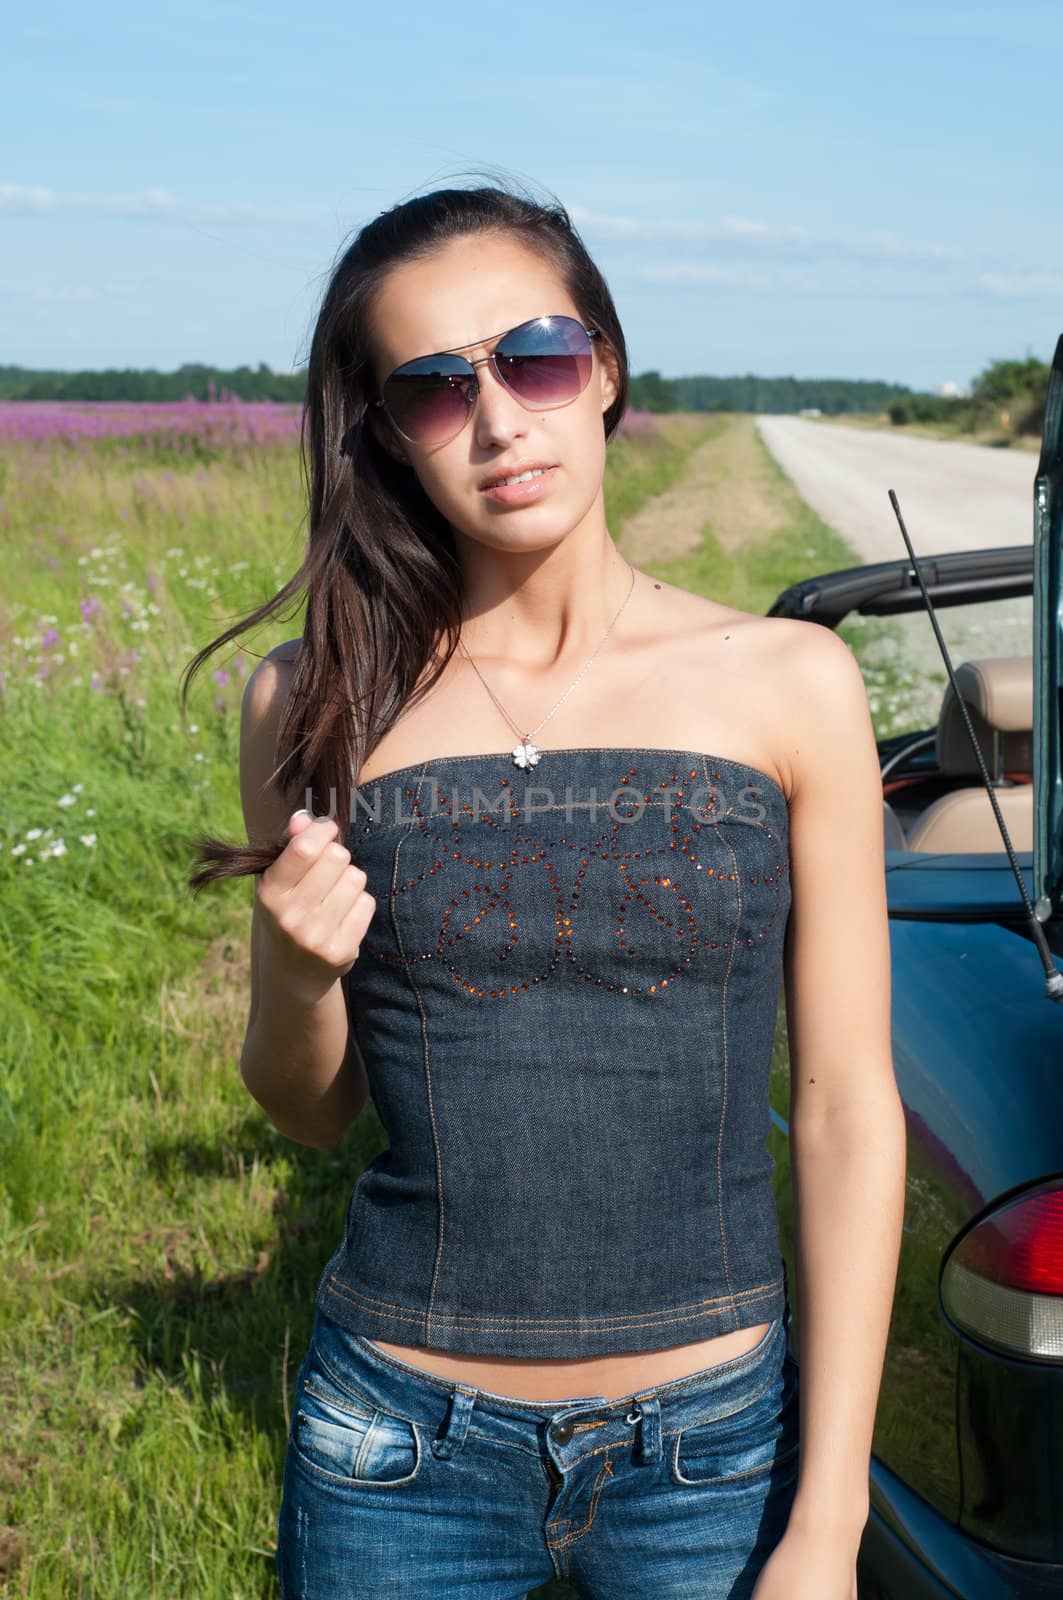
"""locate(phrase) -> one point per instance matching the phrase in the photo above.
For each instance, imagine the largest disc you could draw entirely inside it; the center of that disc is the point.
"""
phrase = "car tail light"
(1003, 1282)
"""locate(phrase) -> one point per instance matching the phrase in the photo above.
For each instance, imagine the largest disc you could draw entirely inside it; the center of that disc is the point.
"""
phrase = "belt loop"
(452, 1438)
(649, 1436)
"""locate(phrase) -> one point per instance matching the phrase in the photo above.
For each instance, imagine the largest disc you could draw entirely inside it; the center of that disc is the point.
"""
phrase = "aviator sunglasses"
(545, 363)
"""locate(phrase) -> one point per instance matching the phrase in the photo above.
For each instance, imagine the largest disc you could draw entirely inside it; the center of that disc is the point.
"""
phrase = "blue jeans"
(400, 1485)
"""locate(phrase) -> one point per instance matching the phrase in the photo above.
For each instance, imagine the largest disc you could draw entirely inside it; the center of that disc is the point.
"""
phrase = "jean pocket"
(743, 1448)
(345, 1439)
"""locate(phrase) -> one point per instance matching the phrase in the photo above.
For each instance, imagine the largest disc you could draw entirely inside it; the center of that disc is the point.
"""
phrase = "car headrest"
(998, 693)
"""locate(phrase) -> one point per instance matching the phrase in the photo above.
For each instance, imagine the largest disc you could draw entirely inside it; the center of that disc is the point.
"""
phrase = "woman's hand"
(315, 907)
(806, 1566)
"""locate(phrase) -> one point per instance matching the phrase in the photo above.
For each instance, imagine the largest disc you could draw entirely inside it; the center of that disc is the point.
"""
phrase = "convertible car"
(967, 1468)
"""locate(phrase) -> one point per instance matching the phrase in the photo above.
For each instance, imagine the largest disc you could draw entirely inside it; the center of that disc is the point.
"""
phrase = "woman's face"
(468, 294)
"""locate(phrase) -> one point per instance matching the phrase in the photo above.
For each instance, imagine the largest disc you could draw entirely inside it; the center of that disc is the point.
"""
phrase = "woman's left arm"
(847, 1128)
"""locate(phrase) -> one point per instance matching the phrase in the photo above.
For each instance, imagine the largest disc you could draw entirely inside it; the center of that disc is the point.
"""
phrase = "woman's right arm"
(310, 915)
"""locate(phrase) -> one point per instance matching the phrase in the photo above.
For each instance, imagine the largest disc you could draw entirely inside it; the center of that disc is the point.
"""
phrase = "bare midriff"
(565, 1378)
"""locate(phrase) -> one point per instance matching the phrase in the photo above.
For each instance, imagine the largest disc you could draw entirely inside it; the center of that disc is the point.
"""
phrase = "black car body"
(967, 1465)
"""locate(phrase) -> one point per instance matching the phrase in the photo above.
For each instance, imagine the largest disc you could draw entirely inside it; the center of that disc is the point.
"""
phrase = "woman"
(552, 1341)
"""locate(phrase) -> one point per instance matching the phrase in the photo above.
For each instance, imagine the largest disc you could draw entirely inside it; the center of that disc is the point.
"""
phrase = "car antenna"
(1053, 977)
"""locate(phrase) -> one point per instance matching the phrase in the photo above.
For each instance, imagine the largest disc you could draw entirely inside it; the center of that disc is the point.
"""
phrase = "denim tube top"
(566, 1002)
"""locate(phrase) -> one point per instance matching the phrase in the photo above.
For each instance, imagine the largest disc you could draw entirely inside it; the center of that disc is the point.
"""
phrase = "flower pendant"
(526, 754)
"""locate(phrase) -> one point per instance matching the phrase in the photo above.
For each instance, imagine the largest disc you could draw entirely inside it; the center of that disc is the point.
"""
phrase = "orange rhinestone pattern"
(630, 885)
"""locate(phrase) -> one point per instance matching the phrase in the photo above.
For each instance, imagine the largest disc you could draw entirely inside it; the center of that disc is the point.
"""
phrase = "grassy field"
(161, 1241)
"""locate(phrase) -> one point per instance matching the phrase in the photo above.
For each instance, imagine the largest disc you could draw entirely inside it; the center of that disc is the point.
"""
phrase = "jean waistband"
(449, 1409)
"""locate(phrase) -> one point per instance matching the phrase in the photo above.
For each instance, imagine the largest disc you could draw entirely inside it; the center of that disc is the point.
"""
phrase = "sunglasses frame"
(488, 360)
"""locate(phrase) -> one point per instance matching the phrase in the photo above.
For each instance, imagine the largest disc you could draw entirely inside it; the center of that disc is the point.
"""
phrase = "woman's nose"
(499, 414)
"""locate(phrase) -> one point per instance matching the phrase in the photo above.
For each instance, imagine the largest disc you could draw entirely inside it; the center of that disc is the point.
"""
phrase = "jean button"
(564, 1432)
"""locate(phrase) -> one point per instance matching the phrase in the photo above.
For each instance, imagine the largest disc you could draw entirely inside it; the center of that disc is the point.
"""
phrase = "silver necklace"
(528, 754)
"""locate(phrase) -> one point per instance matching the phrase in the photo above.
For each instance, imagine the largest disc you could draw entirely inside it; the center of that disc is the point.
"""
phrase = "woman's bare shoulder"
(695, 617)
(272, 678)
(763, 668)
(288, 651)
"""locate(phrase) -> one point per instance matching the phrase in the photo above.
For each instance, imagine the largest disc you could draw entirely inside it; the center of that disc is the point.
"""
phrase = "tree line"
(194, 379)
(1011, 393)
(649, 391)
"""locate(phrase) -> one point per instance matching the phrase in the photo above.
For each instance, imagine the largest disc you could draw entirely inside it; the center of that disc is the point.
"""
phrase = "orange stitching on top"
(453, 857)
(399, 1313)
(428, 1073)
(723, 1107)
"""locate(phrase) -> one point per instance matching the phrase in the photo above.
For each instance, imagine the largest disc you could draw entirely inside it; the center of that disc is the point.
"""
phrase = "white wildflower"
(34, 833)
(67, 800)
(87, 839)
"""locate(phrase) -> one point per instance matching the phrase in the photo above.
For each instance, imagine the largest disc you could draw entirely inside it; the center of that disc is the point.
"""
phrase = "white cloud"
(762, 237)
(706, 272)
(64, 293)
(149, 205)
(1022, 285)
(766, 232)
(651, 228)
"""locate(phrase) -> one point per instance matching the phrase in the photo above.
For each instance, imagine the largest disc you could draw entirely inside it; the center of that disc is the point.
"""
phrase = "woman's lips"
(518, 494)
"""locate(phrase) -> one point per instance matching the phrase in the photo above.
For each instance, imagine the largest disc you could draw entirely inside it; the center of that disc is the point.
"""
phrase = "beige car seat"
(998, 693)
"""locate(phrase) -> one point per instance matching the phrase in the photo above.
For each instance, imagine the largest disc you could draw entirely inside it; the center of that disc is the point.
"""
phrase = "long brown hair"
(380, 573)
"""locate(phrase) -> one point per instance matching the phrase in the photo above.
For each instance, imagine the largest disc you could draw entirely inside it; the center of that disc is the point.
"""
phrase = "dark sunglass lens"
(546, 362)
(429, 400)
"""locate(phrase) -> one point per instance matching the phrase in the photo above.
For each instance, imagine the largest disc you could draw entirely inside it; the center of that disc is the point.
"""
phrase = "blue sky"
(823, 189)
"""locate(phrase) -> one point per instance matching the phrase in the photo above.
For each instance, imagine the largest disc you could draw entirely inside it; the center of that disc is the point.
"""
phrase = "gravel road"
(953, 496)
